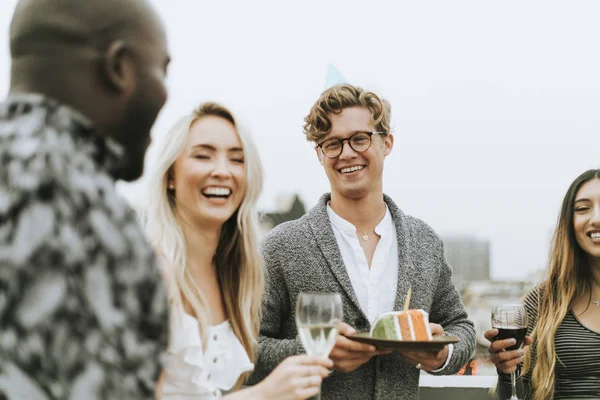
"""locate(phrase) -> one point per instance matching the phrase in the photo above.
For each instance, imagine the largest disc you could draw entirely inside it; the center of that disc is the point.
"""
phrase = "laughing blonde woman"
(201, 218)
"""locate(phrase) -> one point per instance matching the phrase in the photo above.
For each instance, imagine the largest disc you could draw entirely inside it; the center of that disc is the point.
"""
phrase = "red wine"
(512, 332)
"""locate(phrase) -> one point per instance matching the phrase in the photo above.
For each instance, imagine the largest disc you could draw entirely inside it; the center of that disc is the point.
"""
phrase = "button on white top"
(191, 372)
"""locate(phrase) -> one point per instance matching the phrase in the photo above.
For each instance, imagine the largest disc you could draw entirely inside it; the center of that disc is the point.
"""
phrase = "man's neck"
(31, 75)
(69, 87)
(364, 213)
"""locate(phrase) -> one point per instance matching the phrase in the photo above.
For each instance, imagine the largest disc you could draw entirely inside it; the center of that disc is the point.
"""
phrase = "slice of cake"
(400, 325)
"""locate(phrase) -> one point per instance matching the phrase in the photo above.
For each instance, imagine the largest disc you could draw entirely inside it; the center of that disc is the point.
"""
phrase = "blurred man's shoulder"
(38, 133)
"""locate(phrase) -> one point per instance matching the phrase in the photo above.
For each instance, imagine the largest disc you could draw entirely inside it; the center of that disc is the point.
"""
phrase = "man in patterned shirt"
(83, 312)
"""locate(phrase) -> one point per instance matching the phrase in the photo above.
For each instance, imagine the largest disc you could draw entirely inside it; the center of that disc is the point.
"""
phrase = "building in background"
(289, 208)
(469, 258)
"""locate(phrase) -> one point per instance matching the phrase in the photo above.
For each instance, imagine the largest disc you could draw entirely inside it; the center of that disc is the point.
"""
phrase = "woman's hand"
(296, 378)
(505, 361)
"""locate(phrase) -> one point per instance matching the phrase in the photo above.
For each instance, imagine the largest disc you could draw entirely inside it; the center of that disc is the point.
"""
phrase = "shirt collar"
(348, 228)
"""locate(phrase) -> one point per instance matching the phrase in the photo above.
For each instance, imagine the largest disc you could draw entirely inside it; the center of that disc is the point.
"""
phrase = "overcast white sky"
(495, 105)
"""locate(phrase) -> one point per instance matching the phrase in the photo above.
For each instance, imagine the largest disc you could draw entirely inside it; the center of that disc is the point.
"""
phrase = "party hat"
(334, 77)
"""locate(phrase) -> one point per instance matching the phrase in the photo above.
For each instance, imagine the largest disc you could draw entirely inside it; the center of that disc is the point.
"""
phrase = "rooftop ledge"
(455, 387)
(456, 381)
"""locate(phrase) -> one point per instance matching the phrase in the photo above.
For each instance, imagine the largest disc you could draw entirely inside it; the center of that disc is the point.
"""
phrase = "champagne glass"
(317, 319)
(511, 322)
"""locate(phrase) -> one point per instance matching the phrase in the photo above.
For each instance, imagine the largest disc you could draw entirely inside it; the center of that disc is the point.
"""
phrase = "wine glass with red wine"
(511, 322)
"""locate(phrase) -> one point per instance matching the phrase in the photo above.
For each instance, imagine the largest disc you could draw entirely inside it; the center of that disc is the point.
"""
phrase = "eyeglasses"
(359, 142)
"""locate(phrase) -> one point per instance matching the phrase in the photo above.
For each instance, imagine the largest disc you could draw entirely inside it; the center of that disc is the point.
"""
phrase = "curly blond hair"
(335, 99)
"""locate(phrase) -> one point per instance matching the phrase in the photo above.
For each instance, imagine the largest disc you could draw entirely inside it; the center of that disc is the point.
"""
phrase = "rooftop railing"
(455, 387)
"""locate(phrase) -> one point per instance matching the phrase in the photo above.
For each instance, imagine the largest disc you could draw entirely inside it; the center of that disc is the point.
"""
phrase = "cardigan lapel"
(405, 266)
(323, 234)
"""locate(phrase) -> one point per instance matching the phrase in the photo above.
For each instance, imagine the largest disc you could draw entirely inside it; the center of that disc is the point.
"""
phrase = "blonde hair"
(337, 98)
(238, 263)
(569, 275)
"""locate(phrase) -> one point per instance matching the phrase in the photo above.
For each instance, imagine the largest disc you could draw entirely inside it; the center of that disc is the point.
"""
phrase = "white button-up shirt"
(375, 287)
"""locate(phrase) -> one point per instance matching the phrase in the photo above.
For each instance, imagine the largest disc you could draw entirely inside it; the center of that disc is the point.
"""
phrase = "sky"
(495, 105)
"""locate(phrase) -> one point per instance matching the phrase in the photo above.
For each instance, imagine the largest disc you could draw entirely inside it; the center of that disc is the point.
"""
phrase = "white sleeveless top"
(190, 373)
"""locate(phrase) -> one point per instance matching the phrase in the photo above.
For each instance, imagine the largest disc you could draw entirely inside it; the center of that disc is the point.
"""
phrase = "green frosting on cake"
(385, 328)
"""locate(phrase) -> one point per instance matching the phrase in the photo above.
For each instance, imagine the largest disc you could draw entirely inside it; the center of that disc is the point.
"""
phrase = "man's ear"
(117, 67)
(388, 144)
(319, 154)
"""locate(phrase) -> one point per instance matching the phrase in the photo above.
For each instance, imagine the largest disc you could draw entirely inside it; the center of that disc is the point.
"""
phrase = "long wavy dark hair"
(569, 276)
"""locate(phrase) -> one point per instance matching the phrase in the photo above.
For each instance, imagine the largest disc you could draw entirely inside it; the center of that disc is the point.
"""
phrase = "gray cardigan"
(303, 256)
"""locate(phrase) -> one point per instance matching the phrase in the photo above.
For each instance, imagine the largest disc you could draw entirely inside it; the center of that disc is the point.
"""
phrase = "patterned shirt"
(83, 310)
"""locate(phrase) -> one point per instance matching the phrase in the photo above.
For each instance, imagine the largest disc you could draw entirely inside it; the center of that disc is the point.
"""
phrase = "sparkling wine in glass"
(511, 322)
(317, 318)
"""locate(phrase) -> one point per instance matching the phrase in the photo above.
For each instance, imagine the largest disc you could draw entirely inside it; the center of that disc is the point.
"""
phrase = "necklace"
(365, 234)
(596, 303)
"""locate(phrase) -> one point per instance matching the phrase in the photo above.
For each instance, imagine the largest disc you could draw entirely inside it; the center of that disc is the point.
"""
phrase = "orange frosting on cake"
(400, 325)
(420, 323)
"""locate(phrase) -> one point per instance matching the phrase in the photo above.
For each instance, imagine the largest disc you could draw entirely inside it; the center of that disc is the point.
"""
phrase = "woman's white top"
(191, 373)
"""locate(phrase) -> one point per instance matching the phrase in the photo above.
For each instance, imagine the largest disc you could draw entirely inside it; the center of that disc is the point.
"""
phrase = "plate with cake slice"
(403, 331)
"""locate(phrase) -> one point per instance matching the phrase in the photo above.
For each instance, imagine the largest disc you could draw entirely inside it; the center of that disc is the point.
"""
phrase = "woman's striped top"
(578, 359)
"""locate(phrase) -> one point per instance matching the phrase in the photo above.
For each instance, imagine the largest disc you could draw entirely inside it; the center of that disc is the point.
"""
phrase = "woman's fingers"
(508, 360)
(305, 366)
(508, 355)
(509, 366)
(499, 345)
(490, 334)
(306, 393)
(312, 381)
(317, 370)
(312, 360)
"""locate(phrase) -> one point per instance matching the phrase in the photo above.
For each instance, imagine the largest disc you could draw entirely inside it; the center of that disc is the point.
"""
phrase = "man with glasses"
(356, 241)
